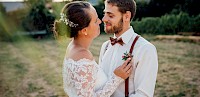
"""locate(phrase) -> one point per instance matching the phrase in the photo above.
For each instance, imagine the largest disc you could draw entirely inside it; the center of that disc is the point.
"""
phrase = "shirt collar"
(126, 36)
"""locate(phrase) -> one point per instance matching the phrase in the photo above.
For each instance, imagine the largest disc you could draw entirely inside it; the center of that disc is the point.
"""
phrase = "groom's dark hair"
(124, 5)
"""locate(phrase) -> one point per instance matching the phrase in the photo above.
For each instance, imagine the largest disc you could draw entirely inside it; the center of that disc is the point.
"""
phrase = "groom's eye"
(111, 16)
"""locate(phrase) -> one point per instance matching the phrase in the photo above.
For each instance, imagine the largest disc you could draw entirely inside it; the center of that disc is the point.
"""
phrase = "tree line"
(163, 16)
(182, 14)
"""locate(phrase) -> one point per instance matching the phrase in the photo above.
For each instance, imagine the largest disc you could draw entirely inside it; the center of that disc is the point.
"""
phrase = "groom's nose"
(104, 19)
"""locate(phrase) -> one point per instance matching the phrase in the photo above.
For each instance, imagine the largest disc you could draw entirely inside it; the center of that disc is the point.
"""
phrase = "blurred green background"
(31, 58)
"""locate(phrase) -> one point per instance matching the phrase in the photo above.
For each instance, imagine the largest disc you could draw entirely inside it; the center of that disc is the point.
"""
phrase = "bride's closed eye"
(96, 20)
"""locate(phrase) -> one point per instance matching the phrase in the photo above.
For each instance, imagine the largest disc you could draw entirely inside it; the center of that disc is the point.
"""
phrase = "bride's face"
(93, 28)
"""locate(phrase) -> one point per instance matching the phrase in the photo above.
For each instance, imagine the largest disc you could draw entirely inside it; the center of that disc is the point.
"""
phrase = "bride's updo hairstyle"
(73, 18)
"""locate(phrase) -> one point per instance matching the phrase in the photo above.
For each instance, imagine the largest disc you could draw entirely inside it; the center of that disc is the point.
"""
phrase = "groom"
(117, 19)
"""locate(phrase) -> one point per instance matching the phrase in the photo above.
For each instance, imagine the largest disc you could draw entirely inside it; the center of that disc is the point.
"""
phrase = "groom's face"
(113, 20)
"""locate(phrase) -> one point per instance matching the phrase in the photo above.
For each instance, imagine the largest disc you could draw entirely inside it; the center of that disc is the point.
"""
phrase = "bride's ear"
(84, 31)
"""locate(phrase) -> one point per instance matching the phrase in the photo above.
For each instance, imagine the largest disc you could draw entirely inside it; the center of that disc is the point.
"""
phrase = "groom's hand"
(124, 71)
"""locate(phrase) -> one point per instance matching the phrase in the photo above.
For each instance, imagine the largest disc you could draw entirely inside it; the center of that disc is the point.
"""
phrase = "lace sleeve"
(84, 81)
(110, 86)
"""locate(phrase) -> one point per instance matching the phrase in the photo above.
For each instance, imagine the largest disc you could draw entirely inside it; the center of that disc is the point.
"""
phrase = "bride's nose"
(99, 21)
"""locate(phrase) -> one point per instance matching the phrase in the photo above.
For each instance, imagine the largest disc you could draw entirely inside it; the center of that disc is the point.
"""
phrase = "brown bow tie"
(115, 40)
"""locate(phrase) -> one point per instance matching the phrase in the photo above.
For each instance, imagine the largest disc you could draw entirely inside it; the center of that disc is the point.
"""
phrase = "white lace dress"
(84, 78)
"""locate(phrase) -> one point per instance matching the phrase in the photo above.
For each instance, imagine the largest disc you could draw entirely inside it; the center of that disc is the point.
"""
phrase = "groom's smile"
(107, 25)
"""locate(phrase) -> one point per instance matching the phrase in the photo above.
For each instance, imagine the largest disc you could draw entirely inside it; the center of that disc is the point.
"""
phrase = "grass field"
(33, 68)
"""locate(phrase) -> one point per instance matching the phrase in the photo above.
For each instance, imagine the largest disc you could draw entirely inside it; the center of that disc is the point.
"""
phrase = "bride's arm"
(85, 78)
(110, 86)
(120, 73)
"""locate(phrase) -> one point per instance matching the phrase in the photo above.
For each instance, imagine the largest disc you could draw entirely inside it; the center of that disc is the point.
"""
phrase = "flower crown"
(67, 21)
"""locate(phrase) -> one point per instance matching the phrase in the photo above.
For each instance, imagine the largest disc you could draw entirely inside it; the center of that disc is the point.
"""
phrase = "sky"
(12, 5)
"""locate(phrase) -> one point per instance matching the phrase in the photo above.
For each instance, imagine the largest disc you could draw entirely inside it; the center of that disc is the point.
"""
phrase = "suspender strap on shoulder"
(127, 80)
(133, 44)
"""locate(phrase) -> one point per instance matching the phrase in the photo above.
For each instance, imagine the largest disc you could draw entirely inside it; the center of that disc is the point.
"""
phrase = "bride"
(82, 76)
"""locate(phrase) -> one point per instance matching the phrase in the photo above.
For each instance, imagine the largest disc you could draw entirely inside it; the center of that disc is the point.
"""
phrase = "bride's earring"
(85, 34)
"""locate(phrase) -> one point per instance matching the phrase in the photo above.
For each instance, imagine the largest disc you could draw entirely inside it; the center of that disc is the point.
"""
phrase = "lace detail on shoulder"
(79, 62)
(80, 76)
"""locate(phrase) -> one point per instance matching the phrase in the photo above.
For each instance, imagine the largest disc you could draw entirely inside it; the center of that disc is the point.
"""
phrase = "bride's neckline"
(80, 60)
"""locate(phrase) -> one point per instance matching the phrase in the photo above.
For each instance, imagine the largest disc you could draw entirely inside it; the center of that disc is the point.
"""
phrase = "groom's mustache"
(107, 24)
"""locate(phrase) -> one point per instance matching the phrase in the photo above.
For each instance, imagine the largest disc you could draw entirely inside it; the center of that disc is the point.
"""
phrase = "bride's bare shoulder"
(77, 54)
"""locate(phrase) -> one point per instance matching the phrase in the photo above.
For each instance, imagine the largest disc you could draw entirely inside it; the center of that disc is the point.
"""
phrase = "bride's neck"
(84, 43)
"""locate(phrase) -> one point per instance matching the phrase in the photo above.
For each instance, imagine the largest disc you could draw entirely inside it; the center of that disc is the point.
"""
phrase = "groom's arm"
(146, 71)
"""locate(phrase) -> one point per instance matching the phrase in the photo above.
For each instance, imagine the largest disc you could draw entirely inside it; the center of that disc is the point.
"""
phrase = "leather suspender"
(127, 80)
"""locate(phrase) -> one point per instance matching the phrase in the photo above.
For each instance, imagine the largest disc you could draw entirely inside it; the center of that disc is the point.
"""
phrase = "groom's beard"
(116, 28)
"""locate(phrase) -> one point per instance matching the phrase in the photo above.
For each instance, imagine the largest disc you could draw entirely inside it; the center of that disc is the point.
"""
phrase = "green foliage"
(184, 22)
(2, 8)
(6, 33)
(57, 9)
(157, 8)
(142, 10)
(196, 24)
(10, 23)
(3, 35)
(167, 24)
(99, 8)
(146, 25)
(162, 16)
(39, 18)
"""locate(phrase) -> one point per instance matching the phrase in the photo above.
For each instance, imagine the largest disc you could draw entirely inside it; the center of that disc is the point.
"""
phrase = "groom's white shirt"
(144, 55)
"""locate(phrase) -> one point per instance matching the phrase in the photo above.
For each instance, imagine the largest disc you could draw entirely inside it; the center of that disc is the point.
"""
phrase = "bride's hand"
(124, 71)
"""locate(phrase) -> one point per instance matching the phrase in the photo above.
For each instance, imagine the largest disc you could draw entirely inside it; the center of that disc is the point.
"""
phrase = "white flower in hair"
(67, 21)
